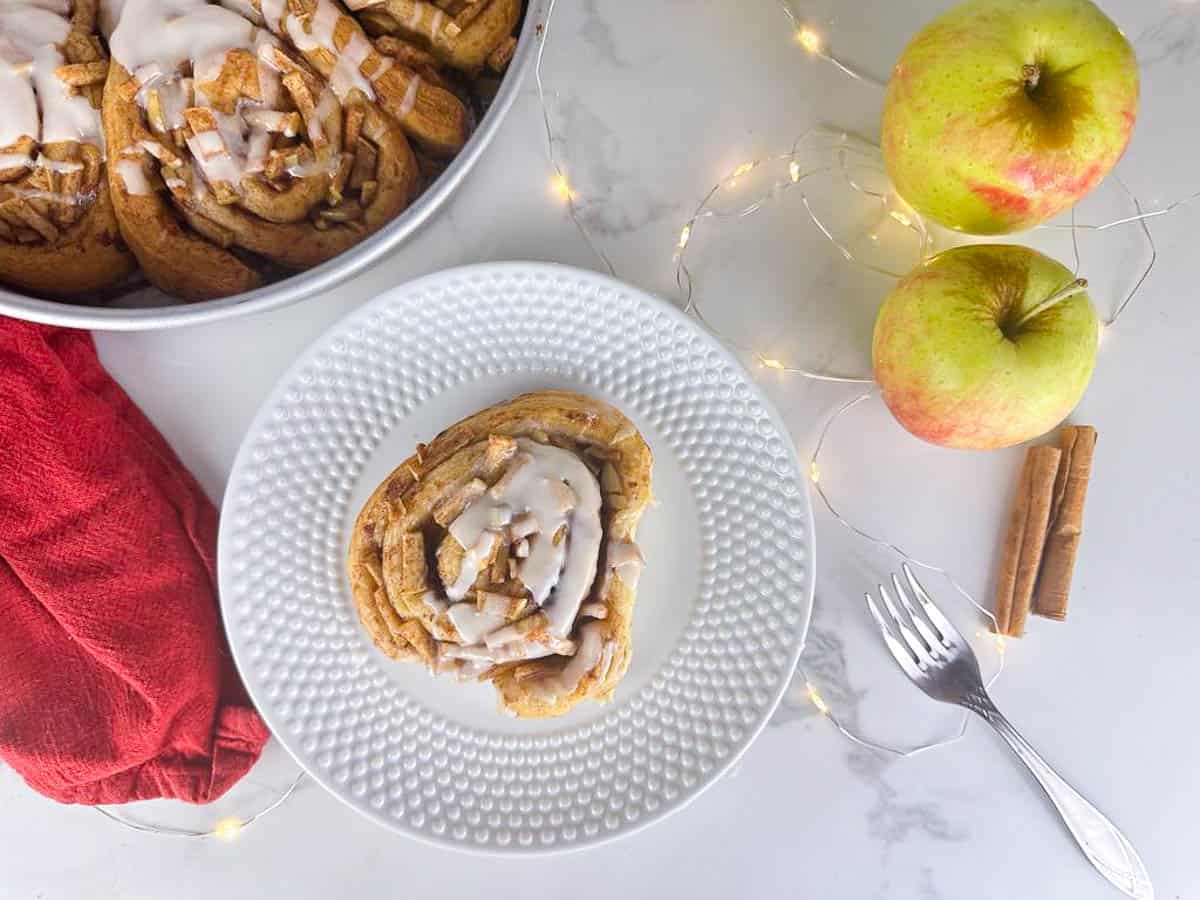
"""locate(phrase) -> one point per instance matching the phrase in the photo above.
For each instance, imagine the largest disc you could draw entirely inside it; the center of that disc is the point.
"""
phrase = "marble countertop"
(656, 103)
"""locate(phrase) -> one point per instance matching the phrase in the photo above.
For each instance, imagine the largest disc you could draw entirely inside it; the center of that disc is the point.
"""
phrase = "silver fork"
(934, 656)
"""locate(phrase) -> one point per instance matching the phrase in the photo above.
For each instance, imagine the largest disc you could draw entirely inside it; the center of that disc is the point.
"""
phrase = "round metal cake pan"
(156, 310)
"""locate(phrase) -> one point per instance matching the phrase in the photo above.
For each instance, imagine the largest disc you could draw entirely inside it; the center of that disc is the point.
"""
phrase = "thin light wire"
(840, 145)
(1143, 223)
(551, 144)
(169, 831)
(828, 712)
(1141, 216)
(815, 45)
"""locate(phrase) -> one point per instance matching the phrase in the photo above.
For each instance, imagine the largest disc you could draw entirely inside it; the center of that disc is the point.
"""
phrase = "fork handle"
(1104, 846)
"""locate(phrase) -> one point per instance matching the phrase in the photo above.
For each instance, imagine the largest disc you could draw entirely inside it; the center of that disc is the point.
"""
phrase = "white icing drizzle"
(155, 38)
(544, 490)
(473, 560)
(34, 101)
(606, 658)
(174, 96)
(434, 603)
(627, 561)
(269, 84)
(318, 34)
(536, 486)
(326, 166)
(435, 24)
(110, 13)
(14, 161)
(53, 196)
(273, 12)
(586, 658)
(410, 97)
(59, 165)
(169, 33)
(244, 8)
(472, 624)
(257, 148)
(135, 179)
(462, 669)
(506, 653)
(347, 73)
(327, 107)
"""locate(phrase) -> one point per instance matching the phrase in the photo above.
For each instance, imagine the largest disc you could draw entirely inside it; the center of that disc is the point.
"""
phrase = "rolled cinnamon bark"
(1026, 537)
(1078, 443)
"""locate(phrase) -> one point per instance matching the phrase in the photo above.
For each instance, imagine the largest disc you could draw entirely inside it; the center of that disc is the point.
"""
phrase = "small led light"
(817, 700)
(809, 40)
(561, 187)
(228, 829)
(814, 472)
(772, 363)
(794, 171)
(743, 169)
(685, 235)
(901, 217)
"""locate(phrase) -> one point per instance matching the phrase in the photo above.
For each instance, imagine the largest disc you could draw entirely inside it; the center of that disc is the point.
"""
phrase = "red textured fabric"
(115, 680)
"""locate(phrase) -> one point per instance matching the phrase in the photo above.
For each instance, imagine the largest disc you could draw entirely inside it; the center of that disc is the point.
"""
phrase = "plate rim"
(345, 322)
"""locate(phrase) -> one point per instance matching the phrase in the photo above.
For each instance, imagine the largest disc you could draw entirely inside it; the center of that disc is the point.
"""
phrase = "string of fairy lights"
(842, 148)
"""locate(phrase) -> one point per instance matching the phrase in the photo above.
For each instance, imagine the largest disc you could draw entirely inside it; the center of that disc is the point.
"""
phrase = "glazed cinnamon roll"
(233, 154)
(464, 34)
(504, 551)
(335, 45)
(58, 234)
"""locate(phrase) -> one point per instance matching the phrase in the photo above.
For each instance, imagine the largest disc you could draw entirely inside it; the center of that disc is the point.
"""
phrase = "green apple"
(985, 346)
(1000, 114)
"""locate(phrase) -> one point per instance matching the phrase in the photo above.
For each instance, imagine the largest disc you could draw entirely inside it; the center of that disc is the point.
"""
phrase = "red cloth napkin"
(115, 680)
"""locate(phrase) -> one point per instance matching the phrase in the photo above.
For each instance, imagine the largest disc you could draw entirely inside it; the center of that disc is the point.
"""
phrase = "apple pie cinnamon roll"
(58, 234)
(237, 150)
(504, 550)
(464, 34)
(334, 44)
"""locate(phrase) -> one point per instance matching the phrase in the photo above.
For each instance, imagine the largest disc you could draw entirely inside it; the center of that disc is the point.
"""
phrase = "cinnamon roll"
(234, 154)
(464, 34)
(58, 233)
(504, 551)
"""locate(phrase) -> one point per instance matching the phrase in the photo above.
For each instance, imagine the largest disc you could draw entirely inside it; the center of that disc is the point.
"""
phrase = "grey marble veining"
(1175, 38)
(599, 177)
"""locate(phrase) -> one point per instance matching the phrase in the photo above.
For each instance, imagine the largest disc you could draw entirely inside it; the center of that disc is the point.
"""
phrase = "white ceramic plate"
(722, 608)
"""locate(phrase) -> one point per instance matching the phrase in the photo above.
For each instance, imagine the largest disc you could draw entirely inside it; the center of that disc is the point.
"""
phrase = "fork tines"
(926, 637)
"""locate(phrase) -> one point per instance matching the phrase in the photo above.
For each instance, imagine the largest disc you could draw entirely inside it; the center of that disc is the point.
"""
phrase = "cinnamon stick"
(1078, 443)
(1022, 550)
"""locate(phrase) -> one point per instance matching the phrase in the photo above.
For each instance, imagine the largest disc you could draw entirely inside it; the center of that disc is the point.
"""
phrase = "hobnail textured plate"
(722, 608)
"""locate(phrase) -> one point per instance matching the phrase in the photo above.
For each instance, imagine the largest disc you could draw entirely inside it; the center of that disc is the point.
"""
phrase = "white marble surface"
(657, 102)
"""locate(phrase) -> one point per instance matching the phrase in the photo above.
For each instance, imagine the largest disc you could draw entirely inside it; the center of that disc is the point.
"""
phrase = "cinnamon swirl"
(504, 551)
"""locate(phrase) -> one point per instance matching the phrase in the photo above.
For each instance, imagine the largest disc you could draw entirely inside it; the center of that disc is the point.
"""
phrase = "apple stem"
(1031, 74)
(1070, 290)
